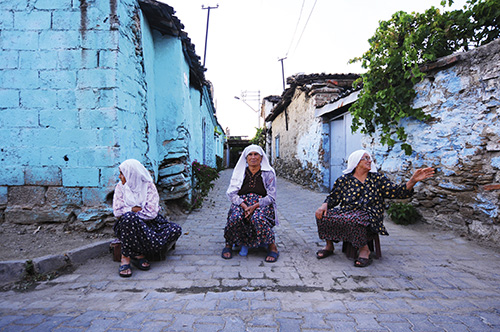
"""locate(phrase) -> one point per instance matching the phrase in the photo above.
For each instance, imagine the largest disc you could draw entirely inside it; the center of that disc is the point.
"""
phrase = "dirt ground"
(23, 242)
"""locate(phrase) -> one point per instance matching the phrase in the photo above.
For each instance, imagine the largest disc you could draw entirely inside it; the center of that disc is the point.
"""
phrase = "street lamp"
(243, 99)
(258, 113)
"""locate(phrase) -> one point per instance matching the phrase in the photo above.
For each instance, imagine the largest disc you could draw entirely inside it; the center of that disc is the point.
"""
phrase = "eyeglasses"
(366, 158)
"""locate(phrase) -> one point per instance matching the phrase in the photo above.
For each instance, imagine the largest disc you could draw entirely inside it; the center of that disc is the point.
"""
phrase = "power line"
(296, 26)
(305, 26)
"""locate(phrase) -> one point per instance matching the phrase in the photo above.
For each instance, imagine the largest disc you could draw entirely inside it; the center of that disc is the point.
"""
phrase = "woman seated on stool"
(251, 217)
(140, 228)
(359, 195)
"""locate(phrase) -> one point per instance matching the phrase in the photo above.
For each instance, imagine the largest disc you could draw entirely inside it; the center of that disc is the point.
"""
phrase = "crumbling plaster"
(462, 141)
(300, 144)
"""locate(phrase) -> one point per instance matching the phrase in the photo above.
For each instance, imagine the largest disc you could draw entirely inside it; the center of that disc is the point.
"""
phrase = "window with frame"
(277, 146)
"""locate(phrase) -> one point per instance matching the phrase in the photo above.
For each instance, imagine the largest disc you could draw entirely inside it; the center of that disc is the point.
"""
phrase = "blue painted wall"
(85, 85)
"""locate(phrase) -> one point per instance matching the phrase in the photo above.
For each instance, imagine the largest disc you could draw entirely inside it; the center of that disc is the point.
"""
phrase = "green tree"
(259, 138)
(397, 49)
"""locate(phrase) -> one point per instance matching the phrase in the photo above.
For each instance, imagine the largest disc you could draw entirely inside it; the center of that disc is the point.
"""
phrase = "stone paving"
(427, 280)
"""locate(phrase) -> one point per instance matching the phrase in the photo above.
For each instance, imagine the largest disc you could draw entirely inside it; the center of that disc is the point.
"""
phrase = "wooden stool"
(352, 252)
(162, 255)
(115, 249)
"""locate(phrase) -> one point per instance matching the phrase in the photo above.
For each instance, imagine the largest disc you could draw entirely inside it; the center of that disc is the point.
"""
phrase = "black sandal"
(225, 251)
(362, 262)
(125, 267)
(272, 257)
(139, 263)
(323, 253)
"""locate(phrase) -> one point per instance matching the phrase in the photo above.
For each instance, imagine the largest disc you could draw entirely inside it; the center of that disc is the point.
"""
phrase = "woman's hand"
(136, 209)
(245, 208)
(250, 209)
(321, 211)
(420, 175)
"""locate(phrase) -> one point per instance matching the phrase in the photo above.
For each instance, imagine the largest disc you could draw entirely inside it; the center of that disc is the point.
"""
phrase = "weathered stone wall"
(61, 113)
(300, 145)
(462, 142)
(83, 86)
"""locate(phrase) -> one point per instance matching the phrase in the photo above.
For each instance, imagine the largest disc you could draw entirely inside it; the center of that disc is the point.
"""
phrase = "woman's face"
(365, 164)
(122, 177)
(254, 159)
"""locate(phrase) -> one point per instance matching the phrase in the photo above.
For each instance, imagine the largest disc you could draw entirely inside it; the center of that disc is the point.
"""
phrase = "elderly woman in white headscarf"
(252, 216)
(140, 228)
(353, 211)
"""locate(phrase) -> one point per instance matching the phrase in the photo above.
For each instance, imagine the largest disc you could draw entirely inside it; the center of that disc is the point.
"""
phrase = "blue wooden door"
(343, 142)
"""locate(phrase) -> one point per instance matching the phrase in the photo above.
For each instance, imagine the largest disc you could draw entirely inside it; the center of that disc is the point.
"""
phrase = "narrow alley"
(427, 280)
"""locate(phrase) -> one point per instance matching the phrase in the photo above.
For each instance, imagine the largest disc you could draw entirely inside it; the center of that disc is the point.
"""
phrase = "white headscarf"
(241, 165)
(354, 160)
(136, 186)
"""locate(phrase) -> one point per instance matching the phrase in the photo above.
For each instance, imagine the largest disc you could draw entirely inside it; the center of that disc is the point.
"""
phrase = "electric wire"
(305, 26)
(296, 26)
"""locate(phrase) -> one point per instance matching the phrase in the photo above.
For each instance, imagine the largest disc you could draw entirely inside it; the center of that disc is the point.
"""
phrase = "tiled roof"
(325, 88)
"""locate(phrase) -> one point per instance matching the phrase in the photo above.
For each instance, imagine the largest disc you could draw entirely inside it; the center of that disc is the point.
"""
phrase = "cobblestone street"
(427, 280)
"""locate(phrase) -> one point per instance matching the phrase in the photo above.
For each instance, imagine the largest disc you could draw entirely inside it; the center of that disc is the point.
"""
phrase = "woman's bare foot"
(227, 252)
(141, 262)
(273, 253)
(363, 259)
(364, 252)
(326, 251)
(125, 270)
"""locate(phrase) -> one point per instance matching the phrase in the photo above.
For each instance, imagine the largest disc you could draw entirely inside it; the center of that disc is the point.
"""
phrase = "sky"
(247, 38)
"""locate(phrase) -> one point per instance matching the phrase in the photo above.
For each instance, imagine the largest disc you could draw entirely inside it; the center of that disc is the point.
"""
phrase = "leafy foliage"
(260, 137)
(403, 214)
(399, 47)
(204, 177)
(219, 162)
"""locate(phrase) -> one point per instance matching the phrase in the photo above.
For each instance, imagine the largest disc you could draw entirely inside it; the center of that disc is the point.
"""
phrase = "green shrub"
(403, 213)
(204, 177)
(220, 163)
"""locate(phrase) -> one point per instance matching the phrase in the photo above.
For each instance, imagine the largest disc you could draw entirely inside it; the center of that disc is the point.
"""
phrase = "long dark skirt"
(352, 226)
(253, 232)
(145, 237)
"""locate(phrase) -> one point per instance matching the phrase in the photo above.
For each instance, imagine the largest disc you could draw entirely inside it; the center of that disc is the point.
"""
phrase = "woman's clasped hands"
(249, 209)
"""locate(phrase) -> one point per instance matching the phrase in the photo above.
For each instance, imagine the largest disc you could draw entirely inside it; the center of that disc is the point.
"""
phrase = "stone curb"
(12, 271)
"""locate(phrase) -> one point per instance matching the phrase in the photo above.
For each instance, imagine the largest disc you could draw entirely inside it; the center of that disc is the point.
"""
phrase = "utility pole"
(206, 33)
(282, 71)
(283, 75)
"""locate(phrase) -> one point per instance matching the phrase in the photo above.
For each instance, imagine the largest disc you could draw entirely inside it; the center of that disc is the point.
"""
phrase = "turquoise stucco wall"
(171, 96)
(180, 110)
(58, 115)
(59, 121)
(85, 85)
(149, 77)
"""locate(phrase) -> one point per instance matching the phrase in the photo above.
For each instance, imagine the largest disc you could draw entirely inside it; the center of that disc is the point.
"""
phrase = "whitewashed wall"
(300, 145)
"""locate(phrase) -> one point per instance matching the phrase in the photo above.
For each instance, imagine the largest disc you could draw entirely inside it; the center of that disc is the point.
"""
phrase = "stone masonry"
(78, 96)
(462, 141)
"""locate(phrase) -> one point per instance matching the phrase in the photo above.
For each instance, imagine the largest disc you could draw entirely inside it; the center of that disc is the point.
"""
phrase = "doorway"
(342, 143)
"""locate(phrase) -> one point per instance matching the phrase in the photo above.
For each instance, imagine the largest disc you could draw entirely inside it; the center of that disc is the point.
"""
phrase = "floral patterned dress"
(356, 209)
(145, 232)
(258, 229)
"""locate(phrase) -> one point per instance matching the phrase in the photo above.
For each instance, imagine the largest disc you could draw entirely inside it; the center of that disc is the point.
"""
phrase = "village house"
(85, 85)
(300, 140)
(310, 139)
